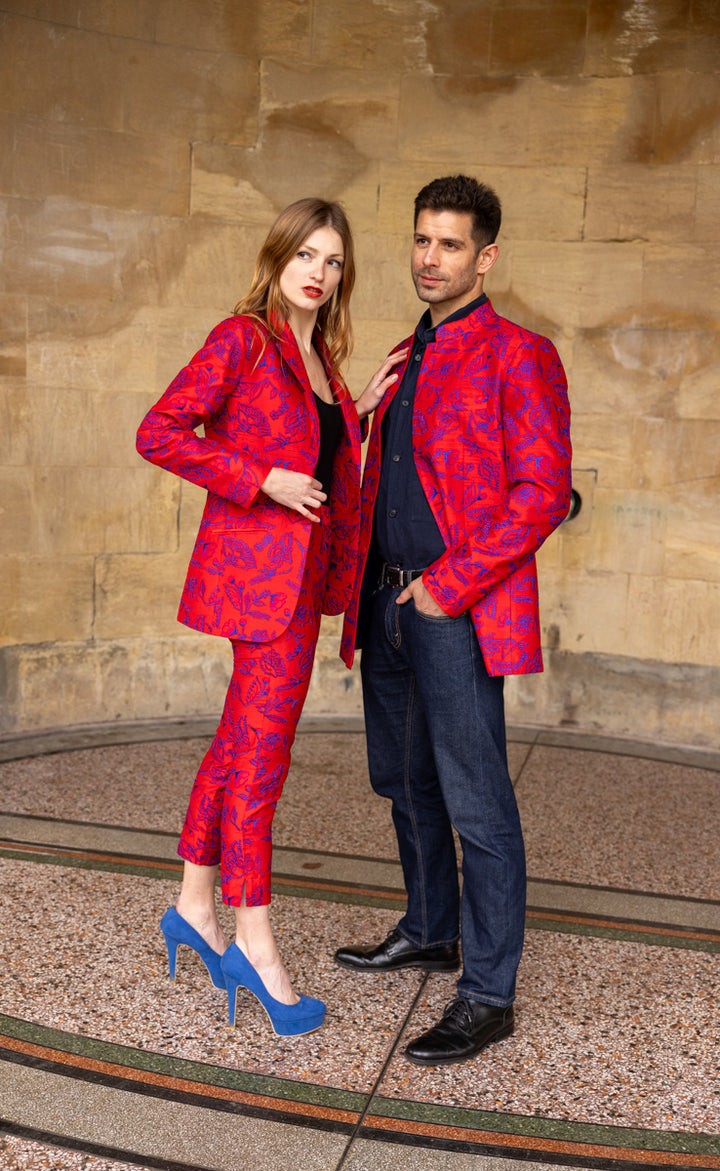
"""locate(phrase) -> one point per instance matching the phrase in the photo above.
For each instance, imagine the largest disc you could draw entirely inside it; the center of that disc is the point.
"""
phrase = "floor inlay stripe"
(173, 1089)
(141, 1065)
(97, 1150)
(395, 1120)
(659, 934)
(527, 1149)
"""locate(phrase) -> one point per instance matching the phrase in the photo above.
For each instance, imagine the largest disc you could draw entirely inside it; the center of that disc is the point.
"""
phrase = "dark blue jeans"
(435, 728)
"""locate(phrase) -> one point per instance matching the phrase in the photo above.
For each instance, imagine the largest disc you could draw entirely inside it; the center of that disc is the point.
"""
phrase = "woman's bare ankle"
(205, 921)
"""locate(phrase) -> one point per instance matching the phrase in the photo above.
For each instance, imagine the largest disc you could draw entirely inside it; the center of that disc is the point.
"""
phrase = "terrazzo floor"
(106, 1065)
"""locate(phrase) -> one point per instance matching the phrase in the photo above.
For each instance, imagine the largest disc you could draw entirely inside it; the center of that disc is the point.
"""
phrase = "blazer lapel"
(290, 354)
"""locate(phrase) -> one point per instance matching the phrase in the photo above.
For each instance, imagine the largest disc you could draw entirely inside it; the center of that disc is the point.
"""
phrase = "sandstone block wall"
(145, 147)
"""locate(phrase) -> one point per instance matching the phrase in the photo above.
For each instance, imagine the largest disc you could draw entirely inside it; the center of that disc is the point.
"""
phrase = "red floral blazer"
(492, 450)
(258, 412)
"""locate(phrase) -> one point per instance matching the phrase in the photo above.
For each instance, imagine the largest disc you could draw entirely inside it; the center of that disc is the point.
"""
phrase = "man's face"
(447, 267)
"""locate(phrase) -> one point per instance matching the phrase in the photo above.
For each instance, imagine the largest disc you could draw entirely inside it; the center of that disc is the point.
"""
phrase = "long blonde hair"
(265, 302)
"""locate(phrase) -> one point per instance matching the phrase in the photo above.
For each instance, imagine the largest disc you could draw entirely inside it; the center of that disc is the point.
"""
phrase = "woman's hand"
(295, 490)
(378, 384)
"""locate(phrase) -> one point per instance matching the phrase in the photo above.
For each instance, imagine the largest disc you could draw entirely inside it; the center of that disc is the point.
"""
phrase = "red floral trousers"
(233, 799)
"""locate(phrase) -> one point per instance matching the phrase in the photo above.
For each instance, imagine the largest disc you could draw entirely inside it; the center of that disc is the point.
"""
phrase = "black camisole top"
(331, 429)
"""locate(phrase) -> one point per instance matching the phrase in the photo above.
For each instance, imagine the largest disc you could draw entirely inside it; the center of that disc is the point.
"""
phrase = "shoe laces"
(459, 1011)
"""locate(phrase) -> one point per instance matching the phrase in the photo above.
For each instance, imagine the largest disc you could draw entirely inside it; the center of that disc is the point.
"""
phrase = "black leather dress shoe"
(466, 1027)
(397, 952)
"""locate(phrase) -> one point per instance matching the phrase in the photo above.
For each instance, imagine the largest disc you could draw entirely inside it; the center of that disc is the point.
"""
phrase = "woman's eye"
(337, 263)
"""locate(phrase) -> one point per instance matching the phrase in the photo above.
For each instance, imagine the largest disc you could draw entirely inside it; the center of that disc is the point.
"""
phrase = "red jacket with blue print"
(258, 412)
(492, 450)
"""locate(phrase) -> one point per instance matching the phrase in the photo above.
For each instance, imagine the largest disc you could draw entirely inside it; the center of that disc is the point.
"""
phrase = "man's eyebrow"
(442, 239)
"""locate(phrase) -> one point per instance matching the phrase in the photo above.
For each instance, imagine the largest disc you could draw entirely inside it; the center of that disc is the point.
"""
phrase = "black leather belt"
(394, 576)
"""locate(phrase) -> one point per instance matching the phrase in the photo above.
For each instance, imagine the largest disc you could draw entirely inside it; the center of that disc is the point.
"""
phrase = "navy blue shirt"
(405, 530)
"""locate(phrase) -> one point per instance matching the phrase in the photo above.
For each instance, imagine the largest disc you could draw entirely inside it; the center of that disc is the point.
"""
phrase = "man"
(467, 473)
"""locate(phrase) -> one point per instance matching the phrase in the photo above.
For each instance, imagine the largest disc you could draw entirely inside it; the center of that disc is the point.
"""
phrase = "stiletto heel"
(171, 945)
(287, 1020)
(176, 931)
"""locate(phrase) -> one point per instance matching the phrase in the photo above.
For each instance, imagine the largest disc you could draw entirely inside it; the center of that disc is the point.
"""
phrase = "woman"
(280, 459)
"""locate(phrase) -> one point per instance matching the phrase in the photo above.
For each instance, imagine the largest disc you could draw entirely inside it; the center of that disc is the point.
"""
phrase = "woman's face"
(315, 271)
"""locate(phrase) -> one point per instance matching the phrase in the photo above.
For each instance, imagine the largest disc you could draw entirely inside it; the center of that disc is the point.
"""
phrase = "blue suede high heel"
(176, 931)
(288, 1020)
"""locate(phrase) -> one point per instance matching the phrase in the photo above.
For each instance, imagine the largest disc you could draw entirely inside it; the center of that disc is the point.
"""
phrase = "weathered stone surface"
(145, 149)
(13, 337)
(224, 26)
(31, 611)
(707, 212)
(111, 168)
(384, 279)
(257, 30)
(446, 119)
(677, 454)
(703, 37)
(697, 395)
(545, 205)
(671, 615)
(189, 94)
(181, 332)
(626, 534)
(303, 148)
(579, 519)
(382, 35)
(637, 38)
(16, 510)
(687, 128)
(85, 271)
(538, 40)
(530, 121)
(117, 680)
(626, 372)
(583, 611)
(222, 188)
(15, 429)
(61, 74)
(123, 18)
(691, 545)
(458, 37)
(672, 295)
(102, 510)
(87, 78)
(583, 286)
(224, 178)
(366, 118)
(130, 603)
(617, 694)
(641, 203)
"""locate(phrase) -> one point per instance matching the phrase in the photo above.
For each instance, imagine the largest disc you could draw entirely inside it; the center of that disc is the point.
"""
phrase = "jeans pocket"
(434, 617)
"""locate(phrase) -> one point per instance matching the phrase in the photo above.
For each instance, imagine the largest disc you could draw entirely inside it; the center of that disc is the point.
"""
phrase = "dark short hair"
(461, 193)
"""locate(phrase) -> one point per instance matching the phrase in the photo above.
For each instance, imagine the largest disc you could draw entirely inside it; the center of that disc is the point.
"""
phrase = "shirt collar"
(425, 331)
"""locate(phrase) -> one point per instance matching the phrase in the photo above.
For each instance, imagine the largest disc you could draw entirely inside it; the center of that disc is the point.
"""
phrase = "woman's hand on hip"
(378, 384)
(295, 490)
